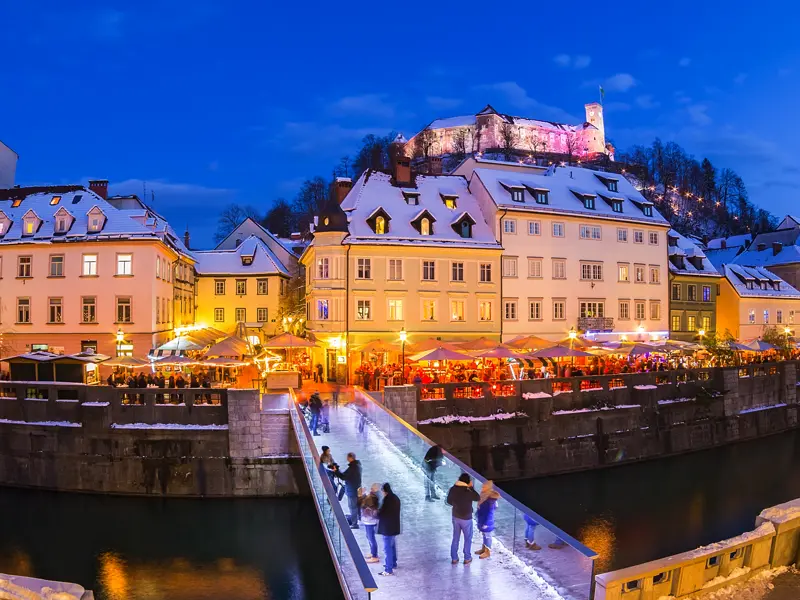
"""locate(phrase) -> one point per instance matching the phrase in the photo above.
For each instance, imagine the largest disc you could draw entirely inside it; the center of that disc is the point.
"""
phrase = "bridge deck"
(423, 548)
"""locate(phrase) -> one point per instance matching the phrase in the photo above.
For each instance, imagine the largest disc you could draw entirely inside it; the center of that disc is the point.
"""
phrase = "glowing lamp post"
(788, 332)
(702, 334)
(120, 339)
(572, 335)
(403, 337)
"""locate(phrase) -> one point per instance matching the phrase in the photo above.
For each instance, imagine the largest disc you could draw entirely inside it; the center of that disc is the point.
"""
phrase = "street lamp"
(702, 333)
(120, 338)
(572, 335)
(788, 332)
(403, 337)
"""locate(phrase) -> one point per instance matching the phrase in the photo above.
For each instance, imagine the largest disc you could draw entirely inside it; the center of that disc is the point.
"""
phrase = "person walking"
(315, 406)
(352, 481)
(326, 460)
(370, 504)
(432, 461)
(389, 528)
(460, 497)
(485, 513)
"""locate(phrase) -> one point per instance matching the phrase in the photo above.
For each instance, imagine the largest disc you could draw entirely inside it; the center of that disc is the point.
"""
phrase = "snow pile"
(559, 392)
(167, 426)
(95, 404)
(735, 574)
(463, 420)
(586, 410)
(759, 408)
(535, 395)
(676, 400)
(749, 536)
(757, 587)
(782, 512)
(28, 588)
(46, 423)
(645, 387)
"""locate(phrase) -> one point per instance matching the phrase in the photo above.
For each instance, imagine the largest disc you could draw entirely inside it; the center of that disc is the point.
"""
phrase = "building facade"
(694, 286)
(778, 251)
(8, 166)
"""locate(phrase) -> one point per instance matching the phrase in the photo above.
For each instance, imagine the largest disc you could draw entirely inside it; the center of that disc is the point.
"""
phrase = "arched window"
(425, 226)
(380, 225)
(466, 229)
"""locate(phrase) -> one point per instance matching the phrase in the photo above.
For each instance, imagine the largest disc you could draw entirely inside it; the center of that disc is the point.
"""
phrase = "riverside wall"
(183, 443)
(531, 428)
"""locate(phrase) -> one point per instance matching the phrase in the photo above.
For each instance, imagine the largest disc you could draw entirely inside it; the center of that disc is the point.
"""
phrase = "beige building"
(753, 299)
(582, 249)
(399, 252)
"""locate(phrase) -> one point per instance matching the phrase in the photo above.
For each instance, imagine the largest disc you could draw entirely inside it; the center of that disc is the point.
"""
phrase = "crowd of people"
(159, 380)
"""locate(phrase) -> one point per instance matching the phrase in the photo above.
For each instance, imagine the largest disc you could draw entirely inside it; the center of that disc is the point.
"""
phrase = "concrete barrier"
(786, 519)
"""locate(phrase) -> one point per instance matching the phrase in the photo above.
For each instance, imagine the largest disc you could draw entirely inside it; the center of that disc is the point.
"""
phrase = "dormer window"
(412, 198)
(647, 210)
(611, 184)
(588, 201)
(55, 200)
(449, 200)
(378, 221)
(423, 223)
(63, 221)
(616, 206)
(463, 225)
(5, 224)
(16, 202)
(425, 226)
(30, 223)
(776, 285)
(96, 220)
(518, 195)
(247, 261)
(380, 225)
(540, 195)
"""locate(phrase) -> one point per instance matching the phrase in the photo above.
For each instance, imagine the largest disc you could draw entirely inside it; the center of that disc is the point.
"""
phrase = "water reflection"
(598, 534)
(16, 562)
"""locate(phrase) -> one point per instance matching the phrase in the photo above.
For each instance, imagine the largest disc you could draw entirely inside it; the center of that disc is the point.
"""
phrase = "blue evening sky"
(211, 102)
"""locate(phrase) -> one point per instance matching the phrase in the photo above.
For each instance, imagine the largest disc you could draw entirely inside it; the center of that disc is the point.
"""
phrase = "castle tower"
(596, 140)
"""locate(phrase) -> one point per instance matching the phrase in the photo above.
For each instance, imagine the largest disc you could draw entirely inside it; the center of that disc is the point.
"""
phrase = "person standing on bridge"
(315, 406)
(460, 497)
(370, 503)
(485, 513)
(432, 461)
(352, 481)
(389, 528)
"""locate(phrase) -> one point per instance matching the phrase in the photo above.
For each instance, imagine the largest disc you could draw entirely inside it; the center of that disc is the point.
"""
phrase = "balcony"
(596, 324)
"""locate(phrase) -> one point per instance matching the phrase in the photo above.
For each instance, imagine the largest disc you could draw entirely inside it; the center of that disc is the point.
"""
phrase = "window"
(89, 309)
(425, 226)
(322, 310)
(592, 308)
(624, 274)
(706, 293)
(639, 308)
(509, 266)
(429, 310)
(535, 268)
(540, 196)
(240, 315)
(486, 272)
(158, 309)
(535, 310)
(262, 287)
(24, 266)
(380, 225)
(518, 195)
(691, 323)
(751, 317)
(510, 311)
(638, 273)
(652, 237)
(61, 224)
(55, 312)
(364, 268)
(363, 310)
(323, 268)
(616, 206)
(395, 269)
(124, 264)
(484, 310)
(261, 315)
(509, 226)
(219, 287)
(450, 202)
(395, 310)
(590, 232)
(219, 315)
(591, 271)
(691, 292)
(412, 199)
(23, 310)
(624, 310)
(707, 324)
(56, 266)
(779, 317)
(676, 291)
(559, 268)
(655, 275)
(457, 271)
(647, 210)
(123, 310)
(622, 235)
(558, 230)
(158, 267)
(766, 316)
(465, 229)
(429, 270)
(611, 184)
(676, 322)
(283, 288)
(559, 307)
(588, 202)
(90, 265)
(655, 310)
(638, 237)
(241, 287)
(534, 228)
(456, 310)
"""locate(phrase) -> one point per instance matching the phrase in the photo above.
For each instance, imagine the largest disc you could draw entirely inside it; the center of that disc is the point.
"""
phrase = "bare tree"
(508, 139)
(343, 170)
(460, 136)
(573, 145)
(230, 218)
(423, 143)
(280, 218)
(536, 144)
(476, 139)
(309, 201)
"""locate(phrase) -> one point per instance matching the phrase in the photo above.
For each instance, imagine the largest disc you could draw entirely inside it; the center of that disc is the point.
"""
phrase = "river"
(639, 512)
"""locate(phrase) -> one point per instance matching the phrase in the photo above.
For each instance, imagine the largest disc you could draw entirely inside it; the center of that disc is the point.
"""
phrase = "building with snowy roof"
(288, 250)
(778, 251)
(582, 249)
(752, 299)
(694, 287)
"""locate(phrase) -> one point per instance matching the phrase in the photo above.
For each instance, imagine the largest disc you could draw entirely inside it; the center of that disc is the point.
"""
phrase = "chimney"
(776, 248)
(434, 165)
(186, 238)
(341, 187)
(761, 247)
(99, 187)
(402, 170)
(723, 244)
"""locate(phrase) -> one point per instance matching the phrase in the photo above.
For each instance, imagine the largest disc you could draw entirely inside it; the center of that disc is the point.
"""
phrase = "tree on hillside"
(536, 144)
(231, 217)
(508, 140)
(311, 197)
(460, 138)
(373, 154)
(573, 144)
(423, 143)
(280, 218)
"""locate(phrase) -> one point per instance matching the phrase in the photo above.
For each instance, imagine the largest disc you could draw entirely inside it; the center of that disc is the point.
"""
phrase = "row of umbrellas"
(131, 362)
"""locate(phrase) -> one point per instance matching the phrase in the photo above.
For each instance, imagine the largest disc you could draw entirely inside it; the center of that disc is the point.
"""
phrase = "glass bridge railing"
(567, 569)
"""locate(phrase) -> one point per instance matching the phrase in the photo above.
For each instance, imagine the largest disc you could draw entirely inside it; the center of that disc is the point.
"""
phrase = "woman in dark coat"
(389, 528)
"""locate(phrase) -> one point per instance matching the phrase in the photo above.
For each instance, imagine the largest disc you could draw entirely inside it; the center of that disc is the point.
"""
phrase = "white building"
(8, 166)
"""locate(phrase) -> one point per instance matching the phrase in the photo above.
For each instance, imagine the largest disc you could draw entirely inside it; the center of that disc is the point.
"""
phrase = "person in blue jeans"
(485, 513)
(530, 531)
(460, 497)
(370, 504)
(315, 407)
(389, 528)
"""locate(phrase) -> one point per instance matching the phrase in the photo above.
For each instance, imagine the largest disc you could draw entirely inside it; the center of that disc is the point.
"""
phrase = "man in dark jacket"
(460, 497)
(315, 406)
(352, 481)
(432, 461)
(389, 528)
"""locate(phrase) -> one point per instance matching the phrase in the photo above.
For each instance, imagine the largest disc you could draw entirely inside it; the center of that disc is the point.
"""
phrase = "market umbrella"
(759, 346)
(500, 352)
(432, 344)
(180, 343)
(635, 348)
(379, 347)
(221, 361)
(441, 353)
(740, 347)
(129, 362)
(578, 342)
(287, 340)
(529, 342)
(482, 343)
(677, 345)
(176, 360)
(232, 346)
(557, 351)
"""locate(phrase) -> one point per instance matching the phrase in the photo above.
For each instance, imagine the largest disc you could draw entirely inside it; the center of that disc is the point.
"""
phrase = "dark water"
(635, 513)
(154, 549)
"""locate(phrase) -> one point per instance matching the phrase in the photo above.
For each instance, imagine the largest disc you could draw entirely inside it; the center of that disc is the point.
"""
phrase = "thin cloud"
(646, 101)
(697, 114)
(578, 61)
(562, 60)
(374, 105)
(516, 96)
(443, 103)
(740, 78)
(616, 107)
(685, 61)
(621, 82)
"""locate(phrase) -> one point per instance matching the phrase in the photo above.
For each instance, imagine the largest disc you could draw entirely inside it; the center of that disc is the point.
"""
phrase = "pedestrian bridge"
(391, 450)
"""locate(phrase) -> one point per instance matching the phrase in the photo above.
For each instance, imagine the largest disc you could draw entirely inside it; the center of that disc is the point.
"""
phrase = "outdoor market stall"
(46, 366)
(289, 373)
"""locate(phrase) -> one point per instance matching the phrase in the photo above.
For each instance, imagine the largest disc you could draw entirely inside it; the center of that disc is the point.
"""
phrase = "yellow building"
(242, 285)
(753, 299)
(399, 252)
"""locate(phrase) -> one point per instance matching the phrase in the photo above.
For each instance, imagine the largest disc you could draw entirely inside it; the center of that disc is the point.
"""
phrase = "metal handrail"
(587, 552)
(367, 579)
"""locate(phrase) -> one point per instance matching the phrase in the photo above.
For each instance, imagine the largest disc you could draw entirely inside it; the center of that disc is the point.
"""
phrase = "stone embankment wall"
(529, 428)
(216, 443)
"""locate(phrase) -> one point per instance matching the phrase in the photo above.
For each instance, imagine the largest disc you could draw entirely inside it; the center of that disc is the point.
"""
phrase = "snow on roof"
(762, 251)
(286, 243)
(757, 282)
(229, 262)
(562, 185)
(731, 242)
(694, 261)
(374, 190)
(722, 256)
(464, 121)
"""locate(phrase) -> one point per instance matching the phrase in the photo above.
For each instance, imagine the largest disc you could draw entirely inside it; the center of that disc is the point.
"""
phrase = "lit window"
(450, 202)
(591, 309)
(623, 273)
(707, 323)
(484, 310)
(55, 200)
(364, 310)
(655, 275)
(322, 310)
(766, 316)
(380, 225)
(638, 273)
(219, 315)
(395, 310)
(655, 311)
(429, 310)
(124, 264)
(752, 316)
(456, 310)
(676, 322)
(90, 265)
(425, 226)
(323, 268)
(261, 315)
(691, 323)
(219, 287)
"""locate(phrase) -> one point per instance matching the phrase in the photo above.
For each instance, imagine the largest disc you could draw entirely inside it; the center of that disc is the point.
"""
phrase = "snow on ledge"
(645, 387)
(586, 410)
(464, 420)
(676, 400)
(45, 423)
(782, 512)
(167, 426)
(535, 395)
(719, 579)
(95, 404)
(762, 530)
(760, 408)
